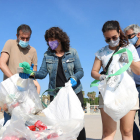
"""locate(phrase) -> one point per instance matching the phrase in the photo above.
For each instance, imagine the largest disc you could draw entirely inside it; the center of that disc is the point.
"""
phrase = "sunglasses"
(130, 36)
(114, 38)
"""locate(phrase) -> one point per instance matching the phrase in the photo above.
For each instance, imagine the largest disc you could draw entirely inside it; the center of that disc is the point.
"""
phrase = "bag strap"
(109, 62)
(58, 88)
(121, 70)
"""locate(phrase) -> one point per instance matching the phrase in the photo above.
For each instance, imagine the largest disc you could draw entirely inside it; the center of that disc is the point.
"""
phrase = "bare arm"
(95, 69)
(3, 64)
(135, 66)
(35, 68)
(35, 81)
(37, 86)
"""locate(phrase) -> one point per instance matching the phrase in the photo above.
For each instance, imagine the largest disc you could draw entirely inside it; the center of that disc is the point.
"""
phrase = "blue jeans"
(136, 132)
(6, 118)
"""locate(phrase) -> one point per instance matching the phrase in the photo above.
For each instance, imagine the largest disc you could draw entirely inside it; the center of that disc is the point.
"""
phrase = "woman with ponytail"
(115, 38)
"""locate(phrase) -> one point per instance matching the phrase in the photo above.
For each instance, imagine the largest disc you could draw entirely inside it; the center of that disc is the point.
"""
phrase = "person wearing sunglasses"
(115, 38)
(133, 34)
(15, 52)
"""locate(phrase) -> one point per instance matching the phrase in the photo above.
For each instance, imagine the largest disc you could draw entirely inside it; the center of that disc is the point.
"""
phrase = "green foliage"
(91, 95)
(83, 92)
(97, 101)
(46, 97)
(86, 100)
(92, 99)
(92, 102)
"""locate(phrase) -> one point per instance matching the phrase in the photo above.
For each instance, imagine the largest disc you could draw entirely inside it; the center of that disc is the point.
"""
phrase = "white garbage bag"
(64, 118)
(65, 106)
(119, 92)
(3, 128)
(16, 91)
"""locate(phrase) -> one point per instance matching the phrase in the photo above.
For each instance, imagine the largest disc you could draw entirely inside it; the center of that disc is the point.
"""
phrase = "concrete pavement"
(93, 126)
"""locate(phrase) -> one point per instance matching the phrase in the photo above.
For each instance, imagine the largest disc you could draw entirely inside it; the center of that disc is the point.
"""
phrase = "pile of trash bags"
(63, 119)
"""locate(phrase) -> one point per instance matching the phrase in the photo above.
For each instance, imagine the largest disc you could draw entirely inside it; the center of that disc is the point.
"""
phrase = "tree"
(85, 101)
(83, 92)
(96, 101)
(91, 96)
(45, 97)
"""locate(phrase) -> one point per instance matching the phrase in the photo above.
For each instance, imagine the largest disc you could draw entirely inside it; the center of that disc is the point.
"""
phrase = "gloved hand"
(102, 77)
(32, 66)
(73, 82)
(24, 75)
(124, 58)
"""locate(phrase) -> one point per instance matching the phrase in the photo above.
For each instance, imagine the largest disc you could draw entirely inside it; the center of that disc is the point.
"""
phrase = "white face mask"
(113, 43)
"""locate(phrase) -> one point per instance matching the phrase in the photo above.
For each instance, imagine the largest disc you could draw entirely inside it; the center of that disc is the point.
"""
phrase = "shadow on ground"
(92, 139)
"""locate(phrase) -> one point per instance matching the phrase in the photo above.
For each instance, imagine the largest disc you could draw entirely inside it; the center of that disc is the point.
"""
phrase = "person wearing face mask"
(62, 64)
(15, 52)
(116, 39)
(133, 34)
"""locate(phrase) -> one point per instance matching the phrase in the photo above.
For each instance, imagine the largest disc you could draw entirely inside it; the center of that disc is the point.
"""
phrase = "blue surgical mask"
(23, 44)
(133, 40)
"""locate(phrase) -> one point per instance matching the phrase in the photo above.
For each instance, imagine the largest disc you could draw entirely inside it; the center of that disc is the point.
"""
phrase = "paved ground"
(93, 126)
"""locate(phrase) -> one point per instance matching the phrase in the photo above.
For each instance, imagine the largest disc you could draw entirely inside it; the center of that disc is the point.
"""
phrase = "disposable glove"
(73, 82)
(124, 58)
(24, 75)
(32, 66)
(102, 77)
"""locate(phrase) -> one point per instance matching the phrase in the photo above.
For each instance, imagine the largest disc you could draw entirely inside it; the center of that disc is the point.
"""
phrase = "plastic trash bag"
(3, 128)
(16, 91)
(64, 119)
(1, 122)
(65, 106)
(119, 91)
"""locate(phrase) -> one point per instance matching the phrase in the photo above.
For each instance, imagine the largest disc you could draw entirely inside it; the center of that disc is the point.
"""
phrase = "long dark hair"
(57, 33)
(114, 25)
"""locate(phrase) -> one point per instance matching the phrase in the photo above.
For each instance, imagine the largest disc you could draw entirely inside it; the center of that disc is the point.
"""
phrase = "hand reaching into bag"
(24, 75)
(27, 70)
(102, 77)
(124, 58)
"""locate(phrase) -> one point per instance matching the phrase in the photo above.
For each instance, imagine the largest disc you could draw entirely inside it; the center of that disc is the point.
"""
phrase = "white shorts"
(101, 103)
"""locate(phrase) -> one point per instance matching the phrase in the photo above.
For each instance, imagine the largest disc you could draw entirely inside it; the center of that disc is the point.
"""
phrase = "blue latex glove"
(24, 75)
(32, 66)
(73, 82)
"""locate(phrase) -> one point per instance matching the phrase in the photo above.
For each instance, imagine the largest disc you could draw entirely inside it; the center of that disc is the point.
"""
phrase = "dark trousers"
(136, 132)
(6, 117)
(82, 134)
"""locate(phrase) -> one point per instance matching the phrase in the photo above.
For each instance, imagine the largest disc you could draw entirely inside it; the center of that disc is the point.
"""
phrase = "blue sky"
(82, 20)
